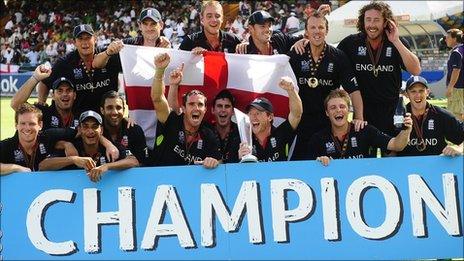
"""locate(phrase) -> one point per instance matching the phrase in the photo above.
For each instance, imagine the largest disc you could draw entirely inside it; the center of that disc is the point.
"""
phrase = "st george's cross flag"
(246, 76)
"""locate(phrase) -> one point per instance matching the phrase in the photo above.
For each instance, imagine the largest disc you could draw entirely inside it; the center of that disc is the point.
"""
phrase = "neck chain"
(268, 51)
(419, 130)
(313, 82)
(375, 61)
(342, 148)
(30, 160)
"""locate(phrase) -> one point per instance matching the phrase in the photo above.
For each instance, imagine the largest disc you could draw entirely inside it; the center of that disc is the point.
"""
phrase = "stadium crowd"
(84, 127)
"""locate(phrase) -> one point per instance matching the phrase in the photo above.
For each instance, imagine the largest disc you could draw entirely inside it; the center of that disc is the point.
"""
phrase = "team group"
(84, 127)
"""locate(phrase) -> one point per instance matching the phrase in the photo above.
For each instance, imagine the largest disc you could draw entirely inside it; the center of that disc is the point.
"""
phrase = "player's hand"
(175, 77)
(324, 9)
(70, 150)
(19, 168)
(392, 31)
(324, 160)
(286, 83)
(96, 173)
(114, 47)
(42, 72)
(208, 162)
(300, 45)
(130, 122)
(241, 48)
(451, 151)
(198, 50)
(162, 60)
(86, 163)
(408, 121)
(449, 91)
(244, 149)
(164, 42)
(112, 153)
(359, 124)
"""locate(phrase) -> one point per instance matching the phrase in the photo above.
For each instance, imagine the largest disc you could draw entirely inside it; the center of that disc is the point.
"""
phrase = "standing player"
(341, 141)
(455, 76)
(433, 126)
(320, 69)
(90, 83)
(377, 55)
(211, 38)
(270, 143)
(182, 139)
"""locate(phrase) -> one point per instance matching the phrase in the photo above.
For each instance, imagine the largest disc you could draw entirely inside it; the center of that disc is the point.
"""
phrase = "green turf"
(7, 115)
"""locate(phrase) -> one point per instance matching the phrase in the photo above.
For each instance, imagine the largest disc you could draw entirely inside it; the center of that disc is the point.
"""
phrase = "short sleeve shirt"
(171, 148)
(52, 119)
(277, 144)
(228, 42)
(456, 61)
(323, 143)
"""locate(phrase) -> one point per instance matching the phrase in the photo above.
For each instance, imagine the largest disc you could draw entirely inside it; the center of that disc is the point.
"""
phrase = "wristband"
(107, 54)
(35, 78)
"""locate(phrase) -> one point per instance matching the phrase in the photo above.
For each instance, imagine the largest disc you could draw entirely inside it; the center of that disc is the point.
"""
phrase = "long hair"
(382, 7)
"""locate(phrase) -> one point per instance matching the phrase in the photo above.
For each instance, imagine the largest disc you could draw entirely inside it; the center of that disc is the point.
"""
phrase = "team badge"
(55, 122)
(330, 147)
(125, 141)
(18, 156)
(78, 73)
(129, 153)
(181, 137)
(76, 123)
(354, 142)
(200, 144)
(388, 52)
(102, 160)
(362, 51)
(42, 148)
(103, 70)
(431, 124)
(330, 68)
(305, 66)
(273, 142)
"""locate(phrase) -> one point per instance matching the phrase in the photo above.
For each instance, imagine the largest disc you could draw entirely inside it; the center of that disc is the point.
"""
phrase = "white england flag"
(246, 76)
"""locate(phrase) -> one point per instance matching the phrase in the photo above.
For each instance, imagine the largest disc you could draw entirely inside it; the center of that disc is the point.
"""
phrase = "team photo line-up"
(85, 127)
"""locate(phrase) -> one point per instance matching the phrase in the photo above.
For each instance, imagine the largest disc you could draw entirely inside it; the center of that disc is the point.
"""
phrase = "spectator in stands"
(341, 141)
(270, 143)
(182, 139)
(7, 53)
(91, 152)
(90, 83)
(293, 23)
(377, 56)
(433, 126)
(28, 147)
(455, 76)
(211, 38)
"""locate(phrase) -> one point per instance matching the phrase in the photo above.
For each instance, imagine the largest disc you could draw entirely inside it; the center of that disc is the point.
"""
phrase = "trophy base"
(249, 158)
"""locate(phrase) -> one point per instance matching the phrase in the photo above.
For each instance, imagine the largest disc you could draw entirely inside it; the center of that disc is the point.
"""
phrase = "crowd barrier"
(389, 208)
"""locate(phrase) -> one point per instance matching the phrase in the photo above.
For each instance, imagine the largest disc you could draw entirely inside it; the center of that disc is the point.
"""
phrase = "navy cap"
(151, 13)
(91, 114)
(83, 28)
(416, 79)
(57, 83)
(260, 17)
(261, 104)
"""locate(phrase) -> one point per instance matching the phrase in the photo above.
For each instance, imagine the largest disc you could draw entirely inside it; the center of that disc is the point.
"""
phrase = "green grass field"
(7, 115)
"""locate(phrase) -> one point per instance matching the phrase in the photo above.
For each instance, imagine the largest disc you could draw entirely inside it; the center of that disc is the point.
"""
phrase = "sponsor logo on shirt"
(181, 137)
(354, 142)
(42, 149)
(362, 51)
(189, 159)
(369, 67)
(55, 121)
(77, 73)
(326, 82)
(273, 142)
(431, 124)
(18, 156)
(200, 144)
(91, 86)
(330, 67)
(388, 52)
(330, 147)
(305, 66)
(428, 142)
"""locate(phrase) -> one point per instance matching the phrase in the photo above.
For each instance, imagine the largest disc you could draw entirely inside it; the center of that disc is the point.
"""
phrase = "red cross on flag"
(246, 76)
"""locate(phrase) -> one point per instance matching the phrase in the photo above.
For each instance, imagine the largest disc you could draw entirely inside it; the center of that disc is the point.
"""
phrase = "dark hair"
(337, 93)
(317, 15)
(190, 93)
(455, 33)
(111, 95)
(224, 94)
(382, 7)
(26, 108)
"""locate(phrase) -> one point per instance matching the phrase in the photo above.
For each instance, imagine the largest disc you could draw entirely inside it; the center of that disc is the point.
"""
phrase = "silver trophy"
(244, 129)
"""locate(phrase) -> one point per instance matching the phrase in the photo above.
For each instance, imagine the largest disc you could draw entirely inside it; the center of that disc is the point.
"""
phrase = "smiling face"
(90, 131)
(316, 30)
(337, 110)
(150, 29)
(28, 127)
(261, 32)
(374, 24)
(212, 18)
(113, 111)
(85, 44)
(194, 110)
(223, 111)
(64, 97)
(261, 121)
(417, 95)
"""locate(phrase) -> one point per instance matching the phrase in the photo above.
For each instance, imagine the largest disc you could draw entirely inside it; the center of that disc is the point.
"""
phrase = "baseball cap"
(416, 79)
(90, 114)
(61, 80)
(83, 28)
(151, 13)
(261, 104)
(260, 17)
